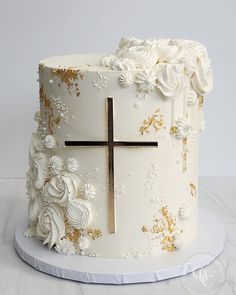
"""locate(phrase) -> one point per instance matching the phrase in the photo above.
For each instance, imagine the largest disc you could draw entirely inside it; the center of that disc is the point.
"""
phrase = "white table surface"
(217, 194)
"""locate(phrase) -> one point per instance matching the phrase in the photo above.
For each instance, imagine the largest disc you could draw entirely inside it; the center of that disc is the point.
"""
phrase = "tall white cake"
(114, 161)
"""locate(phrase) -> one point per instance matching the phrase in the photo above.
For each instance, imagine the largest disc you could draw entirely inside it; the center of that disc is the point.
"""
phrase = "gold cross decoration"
(111, 144)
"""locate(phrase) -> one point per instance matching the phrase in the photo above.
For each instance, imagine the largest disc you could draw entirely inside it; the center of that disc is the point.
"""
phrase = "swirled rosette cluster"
(55, 196)
(167, 59)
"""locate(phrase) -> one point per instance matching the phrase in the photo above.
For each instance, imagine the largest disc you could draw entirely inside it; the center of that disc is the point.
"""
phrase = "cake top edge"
(133, 54)
(173, 58)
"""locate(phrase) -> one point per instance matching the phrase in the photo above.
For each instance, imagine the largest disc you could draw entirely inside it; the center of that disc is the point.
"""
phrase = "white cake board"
(208, 244)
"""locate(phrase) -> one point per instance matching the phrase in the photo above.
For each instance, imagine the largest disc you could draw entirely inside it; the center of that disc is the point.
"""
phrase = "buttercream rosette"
(61, 189)
(79, 213)
(50, 227)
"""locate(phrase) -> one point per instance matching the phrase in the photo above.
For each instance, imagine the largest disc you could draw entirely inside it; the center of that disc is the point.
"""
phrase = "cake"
(113, 164)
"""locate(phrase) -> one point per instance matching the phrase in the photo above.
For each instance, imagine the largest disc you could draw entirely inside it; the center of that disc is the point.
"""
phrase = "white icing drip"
(202, 80)
(191, 97)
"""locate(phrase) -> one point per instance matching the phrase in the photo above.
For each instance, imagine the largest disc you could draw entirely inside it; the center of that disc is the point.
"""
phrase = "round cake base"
(207, 245)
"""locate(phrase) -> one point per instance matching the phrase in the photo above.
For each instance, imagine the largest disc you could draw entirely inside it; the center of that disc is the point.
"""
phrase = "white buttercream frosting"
(122, 64)
(177, 241)
(170, 80)
(184, 212)
(50, 227)
(61, 189)
(79, 213)
(55, 165)
(191, 97)
(183, 128)
(50, 141)
(202, 80)
(34, 208)
(83, 244)
(139, 54)
(36, 144)
(39, 169)
(65, 246)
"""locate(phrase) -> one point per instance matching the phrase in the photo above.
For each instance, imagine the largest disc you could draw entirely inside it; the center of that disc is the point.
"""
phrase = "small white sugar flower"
(88, 191)
(71, 164)
(49, 142)
(55, 165)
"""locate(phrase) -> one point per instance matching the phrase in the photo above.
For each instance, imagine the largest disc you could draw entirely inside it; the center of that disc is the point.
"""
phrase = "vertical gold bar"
(112, 218)
(111, 197)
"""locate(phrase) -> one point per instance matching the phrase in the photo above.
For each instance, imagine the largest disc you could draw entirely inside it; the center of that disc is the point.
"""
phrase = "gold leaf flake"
(201, 100)
(94, 233)
(193, 190)
(69, 76)
(173, 130)
(163, 228)
(156, 121)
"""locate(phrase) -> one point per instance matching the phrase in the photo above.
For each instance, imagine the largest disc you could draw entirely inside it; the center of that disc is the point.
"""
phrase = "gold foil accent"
(156, 121)
(94, 233)
(43, 98)
(168, 243)
(193, 190)
(72, 233)
(69, 76)
(164, 229)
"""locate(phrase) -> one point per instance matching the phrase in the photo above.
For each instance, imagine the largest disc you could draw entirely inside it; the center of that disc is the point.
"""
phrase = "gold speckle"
(41, 66)
(145, 228)
(72, 233)
(94, 233)
(156, 121)
(69, 76)
(193, 190)
(168, 243)
(57, 120)
(201, 100)
(173, 130)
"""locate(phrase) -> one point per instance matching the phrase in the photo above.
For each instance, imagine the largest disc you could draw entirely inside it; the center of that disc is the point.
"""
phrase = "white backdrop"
(31, 30)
